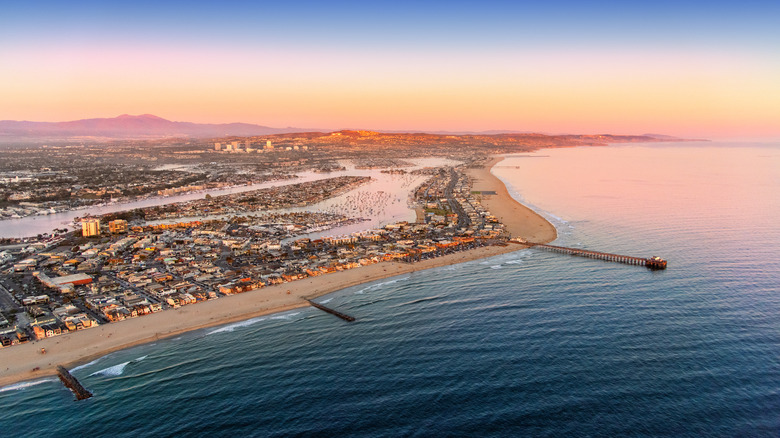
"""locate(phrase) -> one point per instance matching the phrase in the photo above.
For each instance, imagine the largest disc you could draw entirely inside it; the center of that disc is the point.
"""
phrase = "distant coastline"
(82, 346)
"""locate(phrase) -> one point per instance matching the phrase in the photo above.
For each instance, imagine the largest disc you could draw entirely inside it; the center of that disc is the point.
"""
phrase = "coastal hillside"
(150, 127)
(126, 127)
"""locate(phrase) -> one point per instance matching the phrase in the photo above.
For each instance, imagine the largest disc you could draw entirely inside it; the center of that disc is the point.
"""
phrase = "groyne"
(343, 316)
(71, 383)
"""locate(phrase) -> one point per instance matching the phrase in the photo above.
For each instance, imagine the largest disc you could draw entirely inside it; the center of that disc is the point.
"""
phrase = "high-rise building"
(268, 145)
(90, 227)
(217, 146)
(117, 226)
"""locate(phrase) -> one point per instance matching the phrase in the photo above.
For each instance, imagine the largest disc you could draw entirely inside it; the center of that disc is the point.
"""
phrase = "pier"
(650, 263)
(71, 383)
(331, 311)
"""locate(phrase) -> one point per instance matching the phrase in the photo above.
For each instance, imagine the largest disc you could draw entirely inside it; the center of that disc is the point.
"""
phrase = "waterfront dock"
(650, 263)
(331, 311)
(71, 383)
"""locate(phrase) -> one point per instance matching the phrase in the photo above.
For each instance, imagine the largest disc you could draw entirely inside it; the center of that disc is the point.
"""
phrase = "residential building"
(90, 227)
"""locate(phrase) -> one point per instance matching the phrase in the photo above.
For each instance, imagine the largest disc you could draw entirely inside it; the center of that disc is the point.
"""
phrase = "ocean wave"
(118, 369)
(558, 219)
(514, 193)
(113, 371)
(285, 316)
(25, 385)
(418, 301)
(230, 327)
(81, 367)
(379, 285)
(495, 267)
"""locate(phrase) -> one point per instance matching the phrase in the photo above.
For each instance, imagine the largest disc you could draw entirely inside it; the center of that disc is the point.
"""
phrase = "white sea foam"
(495, 267)
(380, 285)
(285, 316)
(231, 327)
(561, 220)
(25, 385)
(113, 371)
(118, 369)
(80, 367)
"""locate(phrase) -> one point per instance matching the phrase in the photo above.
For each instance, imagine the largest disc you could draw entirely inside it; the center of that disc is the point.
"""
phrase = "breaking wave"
(116, 370)
(25, 385)
(230, 327)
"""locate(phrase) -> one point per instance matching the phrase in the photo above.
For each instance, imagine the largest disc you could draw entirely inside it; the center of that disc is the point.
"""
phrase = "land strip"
(26, 362)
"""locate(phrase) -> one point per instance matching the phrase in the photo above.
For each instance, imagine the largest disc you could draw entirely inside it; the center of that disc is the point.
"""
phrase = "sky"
(696, 69)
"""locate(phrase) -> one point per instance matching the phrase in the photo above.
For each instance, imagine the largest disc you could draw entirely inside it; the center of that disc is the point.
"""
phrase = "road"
(7, 302)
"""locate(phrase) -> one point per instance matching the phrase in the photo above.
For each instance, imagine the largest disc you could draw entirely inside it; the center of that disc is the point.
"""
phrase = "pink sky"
(704, 94)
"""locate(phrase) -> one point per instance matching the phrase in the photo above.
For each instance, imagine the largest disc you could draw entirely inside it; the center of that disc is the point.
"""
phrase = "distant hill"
(128, 127)
(149, 127)
(357, 141)
(489, 132)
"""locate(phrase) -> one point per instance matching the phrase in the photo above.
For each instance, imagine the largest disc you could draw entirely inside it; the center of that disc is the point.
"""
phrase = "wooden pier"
(331, 311)
(71, 383)
(650, 263)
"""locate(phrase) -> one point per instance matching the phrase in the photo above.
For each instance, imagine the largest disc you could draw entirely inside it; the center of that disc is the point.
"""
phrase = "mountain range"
(148, 126)
(129, 127)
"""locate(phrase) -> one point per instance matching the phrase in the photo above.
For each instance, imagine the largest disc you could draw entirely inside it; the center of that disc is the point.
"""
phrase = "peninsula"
(26, 361)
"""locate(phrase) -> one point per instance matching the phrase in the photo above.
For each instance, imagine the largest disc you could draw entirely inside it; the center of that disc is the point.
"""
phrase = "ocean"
(529, 343)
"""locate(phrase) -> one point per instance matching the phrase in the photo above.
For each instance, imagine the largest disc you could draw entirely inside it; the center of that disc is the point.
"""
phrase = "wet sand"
(17, 362)
(520, 220)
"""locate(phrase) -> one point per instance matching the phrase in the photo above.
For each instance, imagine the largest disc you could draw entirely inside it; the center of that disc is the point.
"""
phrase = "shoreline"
(520, 221)
(84, 346)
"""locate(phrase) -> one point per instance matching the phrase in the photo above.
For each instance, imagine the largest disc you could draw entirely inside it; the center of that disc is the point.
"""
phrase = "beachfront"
(17, 364)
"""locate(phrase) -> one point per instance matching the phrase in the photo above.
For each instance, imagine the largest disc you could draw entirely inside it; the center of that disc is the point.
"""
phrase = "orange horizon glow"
(706, 94)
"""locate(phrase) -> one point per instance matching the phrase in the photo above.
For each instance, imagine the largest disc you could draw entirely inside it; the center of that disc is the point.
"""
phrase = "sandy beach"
(18, 362)
(520, 220)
